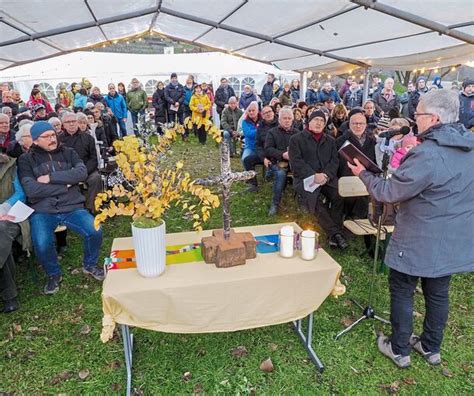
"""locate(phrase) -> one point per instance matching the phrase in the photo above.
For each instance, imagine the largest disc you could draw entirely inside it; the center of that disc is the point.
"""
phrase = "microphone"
(390, 133)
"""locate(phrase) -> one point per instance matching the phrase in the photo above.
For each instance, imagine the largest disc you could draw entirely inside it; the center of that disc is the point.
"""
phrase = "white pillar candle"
(308, 243)
(286, 241)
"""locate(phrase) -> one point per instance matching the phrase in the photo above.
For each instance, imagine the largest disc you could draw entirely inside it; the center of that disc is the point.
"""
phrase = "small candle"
(308, 243)
(286, 241)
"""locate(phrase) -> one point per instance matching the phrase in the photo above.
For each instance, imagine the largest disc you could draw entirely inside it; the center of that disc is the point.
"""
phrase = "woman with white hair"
(22, 142)
(56, 124)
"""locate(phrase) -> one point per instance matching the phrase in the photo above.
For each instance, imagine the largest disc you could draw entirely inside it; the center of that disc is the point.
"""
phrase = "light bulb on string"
(453, 68)
(422, 71)
(329, 76)
(436, 70)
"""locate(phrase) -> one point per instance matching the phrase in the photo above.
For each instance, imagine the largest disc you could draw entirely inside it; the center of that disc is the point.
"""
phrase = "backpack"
(387, 211)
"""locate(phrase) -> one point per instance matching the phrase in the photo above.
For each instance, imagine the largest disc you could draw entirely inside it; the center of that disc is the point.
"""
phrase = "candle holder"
(309, 244)
(286, 241)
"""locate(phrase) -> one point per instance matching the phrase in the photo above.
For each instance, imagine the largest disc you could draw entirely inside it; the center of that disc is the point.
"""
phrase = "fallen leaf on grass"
(187, 376)
(417, 315)
(346, 321)
(347, 303)
(75, 271)
(83, 374)
(409, 381)
(86, 329)
(354, 370)
(16, 328)
(116, 387)
(446, 373)
(267, 365)
(239, 351)
(392, 388)
(33, 329)
(198, 390)
(62, 376)
(202, 352)
(273, 347)
(115, 364)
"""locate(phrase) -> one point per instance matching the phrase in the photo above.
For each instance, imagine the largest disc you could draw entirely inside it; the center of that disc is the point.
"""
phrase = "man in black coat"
(84, 145)
(267, 90)
(268, 122)
(359, 136)
(276, 151)
(414, 96)
(174, 96)
(313, 154)
(223, 94)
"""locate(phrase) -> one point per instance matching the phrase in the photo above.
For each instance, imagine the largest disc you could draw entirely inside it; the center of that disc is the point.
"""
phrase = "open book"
(348, 151)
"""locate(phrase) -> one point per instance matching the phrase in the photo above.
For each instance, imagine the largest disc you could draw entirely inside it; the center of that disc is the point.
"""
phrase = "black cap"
(314, 114)
(355, 110)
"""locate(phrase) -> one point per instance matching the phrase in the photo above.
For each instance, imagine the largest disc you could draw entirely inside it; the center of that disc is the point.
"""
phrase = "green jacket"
(137, 100)
(7, 176)
(230, 119)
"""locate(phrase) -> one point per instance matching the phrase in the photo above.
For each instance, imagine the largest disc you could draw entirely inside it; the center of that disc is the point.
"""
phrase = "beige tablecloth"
(200, 298)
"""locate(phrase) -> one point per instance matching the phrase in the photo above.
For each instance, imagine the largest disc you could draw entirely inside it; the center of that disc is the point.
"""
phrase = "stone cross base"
(227, 253)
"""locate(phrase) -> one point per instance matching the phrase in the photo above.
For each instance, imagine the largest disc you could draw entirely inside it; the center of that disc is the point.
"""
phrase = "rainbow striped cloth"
(183, 254)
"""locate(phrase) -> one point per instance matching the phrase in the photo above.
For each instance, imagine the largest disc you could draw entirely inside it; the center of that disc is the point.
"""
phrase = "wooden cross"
(227, 248)
(225, 179)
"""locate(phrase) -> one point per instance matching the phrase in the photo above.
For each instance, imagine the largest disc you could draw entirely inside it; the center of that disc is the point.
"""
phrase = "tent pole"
(366, 85)
(303, 84)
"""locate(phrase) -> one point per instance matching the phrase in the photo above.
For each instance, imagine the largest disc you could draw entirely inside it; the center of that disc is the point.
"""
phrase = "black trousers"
(329, 218)
(8, 232)
(250, 162)
(436, 293)
(202, 134)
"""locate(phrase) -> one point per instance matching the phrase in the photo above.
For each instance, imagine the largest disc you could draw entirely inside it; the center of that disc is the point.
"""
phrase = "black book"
(349, 152)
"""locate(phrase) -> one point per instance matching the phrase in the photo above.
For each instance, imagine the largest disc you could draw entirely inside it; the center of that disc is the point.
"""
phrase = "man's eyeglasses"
(422, 114)
(70, 122)
(267, 112)
(358, 124)
(48, 137)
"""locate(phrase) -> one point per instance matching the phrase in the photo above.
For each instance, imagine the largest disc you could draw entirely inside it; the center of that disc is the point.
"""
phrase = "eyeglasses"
(70, 122)
(422, 114)
(358, 124)
(267, 112)
(48, 137)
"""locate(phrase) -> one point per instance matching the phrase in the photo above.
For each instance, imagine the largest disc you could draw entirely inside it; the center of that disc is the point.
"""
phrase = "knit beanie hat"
(355, 110)
(39, 128)
(420, 78)
(314, 114)
(383, 123)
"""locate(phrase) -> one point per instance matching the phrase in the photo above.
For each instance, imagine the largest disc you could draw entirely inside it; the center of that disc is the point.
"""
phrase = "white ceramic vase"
(150, 250)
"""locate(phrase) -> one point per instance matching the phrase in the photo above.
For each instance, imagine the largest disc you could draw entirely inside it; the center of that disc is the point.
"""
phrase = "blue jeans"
(279, 183)
(436, 293)
(231, 142)
(135, 115)
(122, 127)
(42, 235)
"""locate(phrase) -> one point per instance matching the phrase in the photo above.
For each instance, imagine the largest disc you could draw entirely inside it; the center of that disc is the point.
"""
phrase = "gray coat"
(434, 232)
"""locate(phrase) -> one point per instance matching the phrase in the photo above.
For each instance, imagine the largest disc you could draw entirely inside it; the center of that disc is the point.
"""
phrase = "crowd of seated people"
(50, 157)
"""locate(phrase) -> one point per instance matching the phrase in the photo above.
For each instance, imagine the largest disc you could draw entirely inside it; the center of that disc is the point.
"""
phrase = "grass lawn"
(46, 345)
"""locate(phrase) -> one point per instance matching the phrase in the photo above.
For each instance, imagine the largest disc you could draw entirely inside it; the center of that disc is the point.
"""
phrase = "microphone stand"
(369, 312)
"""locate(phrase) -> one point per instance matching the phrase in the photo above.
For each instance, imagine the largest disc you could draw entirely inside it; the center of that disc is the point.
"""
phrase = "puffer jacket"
(117, 105)
(66, 170)
(312, 96)
(194, 103)
(137, 100)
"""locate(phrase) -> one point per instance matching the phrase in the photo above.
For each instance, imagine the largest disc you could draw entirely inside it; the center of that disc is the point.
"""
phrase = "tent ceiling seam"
(222, 20)
(155, 16)
(229, 28)
(95, 19)
(415, 19)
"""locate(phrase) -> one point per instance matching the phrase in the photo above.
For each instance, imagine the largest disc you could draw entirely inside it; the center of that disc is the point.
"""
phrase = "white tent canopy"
(101, 68)
(339, 35)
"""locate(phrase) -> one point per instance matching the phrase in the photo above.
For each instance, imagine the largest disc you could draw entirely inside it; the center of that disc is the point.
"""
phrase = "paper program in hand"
(309, 184)
(20, 212)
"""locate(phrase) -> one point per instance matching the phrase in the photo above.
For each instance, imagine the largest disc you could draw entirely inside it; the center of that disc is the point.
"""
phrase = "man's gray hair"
(24, 130)
(232, 98)
(2, 115)
(6, 110)
(68, 114)
(25, 121)
(443, 102)
(81, 116)
(52, 120)
(285, 110)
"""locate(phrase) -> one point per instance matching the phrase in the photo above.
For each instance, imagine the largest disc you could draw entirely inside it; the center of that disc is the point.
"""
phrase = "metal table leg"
(307, 340)
(127, 338)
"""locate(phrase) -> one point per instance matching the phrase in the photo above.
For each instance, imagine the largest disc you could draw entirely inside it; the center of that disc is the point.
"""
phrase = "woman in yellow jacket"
(200, 106)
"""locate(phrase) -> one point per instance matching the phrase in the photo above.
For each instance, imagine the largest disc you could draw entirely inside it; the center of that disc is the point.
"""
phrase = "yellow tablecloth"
(200, 298)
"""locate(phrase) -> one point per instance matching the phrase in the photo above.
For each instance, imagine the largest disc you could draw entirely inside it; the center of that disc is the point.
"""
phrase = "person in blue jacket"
(328, 92)
(117, 104)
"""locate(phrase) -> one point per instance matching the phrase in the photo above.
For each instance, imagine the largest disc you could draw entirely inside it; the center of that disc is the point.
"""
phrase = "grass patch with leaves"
(52, 344)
